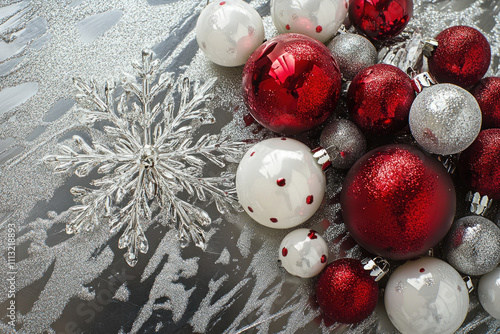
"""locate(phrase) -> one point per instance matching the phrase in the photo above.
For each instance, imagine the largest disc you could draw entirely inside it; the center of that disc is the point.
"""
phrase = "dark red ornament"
(346, 292)
(291, 83)
(479, 164)
(379, 99)
(380, 19)
(487, 94)
(462, 56)
(397, 202)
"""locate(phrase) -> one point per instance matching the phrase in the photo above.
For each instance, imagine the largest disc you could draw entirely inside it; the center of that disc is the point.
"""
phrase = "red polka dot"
(287, 27)
(310, 199)
(284, 251)
(422, 270)
(281, 182)
(273, 220)
(250, 209)
(222, 3)
(251, 154)
(342, 154)
(319, 29)
(323, 258)
(312, 235)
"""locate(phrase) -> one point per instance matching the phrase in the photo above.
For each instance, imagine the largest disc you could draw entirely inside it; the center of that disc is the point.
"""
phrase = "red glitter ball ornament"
(397, 202)
(487, 94)
(462, 56)
(346, 292)
(380, 19)
(379, 99)
(291, 83)
(479, 164)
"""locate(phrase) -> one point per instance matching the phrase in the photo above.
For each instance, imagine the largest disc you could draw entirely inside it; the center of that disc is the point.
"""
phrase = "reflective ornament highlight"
(291, 84)
(303, 253)
(426, 296)
(353, 53)
(487, 94)
(279, 183)
(479, 167)
(489, 292)
(397, 202)
(319, 19)
(462, 57)
(445, 119)
(472, 245)
(380, 19)
(229, 31)
(344, 142)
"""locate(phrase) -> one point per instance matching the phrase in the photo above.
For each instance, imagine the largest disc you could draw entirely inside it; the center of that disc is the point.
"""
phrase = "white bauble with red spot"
(303, 253)
(229, 31)
(319, 19)
(279, 183)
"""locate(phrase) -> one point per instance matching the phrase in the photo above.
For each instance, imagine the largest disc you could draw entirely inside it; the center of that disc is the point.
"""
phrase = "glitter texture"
(487, 94)
(445, 119)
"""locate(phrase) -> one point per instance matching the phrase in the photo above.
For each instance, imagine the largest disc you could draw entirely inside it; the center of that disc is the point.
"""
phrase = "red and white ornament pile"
(398, 201)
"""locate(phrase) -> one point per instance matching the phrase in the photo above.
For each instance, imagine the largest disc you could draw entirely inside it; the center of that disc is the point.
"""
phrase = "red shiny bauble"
(397, 202)
(291, 83)
(479, 164)
(346, 292)
(380, 19)
(462, 56)
(487, 94)
(379, 99)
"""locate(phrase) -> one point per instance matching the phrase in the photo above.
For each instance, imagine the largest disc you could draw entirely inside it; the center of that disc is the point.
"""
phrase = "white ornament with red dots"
(319, 19)
(303, 253)
(426, 296)
(229, 31)
(279, 183)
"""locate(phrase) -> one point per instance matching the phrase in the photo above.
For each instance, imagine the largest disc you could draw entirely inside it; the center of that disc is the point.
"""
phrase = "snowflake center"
(148, 157)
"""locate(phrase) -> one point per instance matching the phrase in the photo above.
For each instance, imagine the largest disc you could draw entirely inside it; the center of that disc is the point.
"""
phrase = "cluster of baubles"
(397, 201)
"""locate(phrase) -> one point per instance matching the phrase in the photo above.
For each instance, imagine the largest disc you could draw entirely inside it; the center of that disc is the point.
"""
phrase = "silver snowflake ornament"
(149, 157)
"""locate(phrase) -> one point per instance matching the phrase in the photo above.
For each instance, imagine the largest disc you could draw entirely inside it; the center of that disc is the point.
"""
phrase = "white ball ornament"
(279, 183)
(319, 19)
(303, 253)
(426, 296)
(229, 31)
(489, 292)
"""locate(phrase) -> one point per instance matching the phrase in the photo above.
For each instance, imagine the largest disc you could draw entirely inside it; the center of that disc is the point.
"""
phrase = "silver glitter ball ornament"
(489, 292)
(344, 142)
(472, 246)
(445, 119)
(353, 53)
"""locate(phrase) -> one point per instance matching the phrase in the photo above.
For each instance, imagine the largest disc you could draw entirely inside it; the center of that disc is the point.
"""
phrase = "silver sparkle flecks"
(445, 119)
(344, 142)
(353, 53)
(152, 159)
(472, 245)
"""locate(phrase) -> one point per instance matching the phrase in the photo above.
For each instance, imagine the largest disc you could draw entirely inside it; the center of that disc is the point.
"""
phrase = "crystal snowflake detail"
(149, 157)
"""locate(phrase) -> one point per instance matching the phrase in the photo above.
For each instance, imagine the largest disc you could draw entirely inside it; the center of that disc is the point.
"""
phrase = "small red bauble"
(380, 19)
(462, 56)
(479, 164)
(291, 83)
(397, 202)
(346, 292)
(379, 99)
(487, 94)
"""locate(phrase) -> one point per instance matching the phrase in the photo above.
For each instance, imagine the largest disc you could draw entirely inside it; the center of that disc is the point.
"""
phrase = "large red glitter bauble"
(462, 56)
(397, 202)
(380, 19)
(346, 292)
(487, 94)
(479, 164)
(291, 83)
(379, 99)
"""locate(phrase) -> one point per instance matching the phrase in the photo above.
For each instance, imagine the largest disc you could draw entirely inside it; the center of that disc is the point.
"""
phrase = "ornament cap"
(478, 204)
(423, 80)
(377, 266)
(468, 283)
(449, 162)
(430, 45)
(322, 158)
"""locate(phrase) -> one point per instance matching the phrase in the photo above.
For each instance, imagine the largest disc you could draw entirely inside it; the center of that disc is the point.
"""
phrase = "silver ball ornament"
(489, 292)
(445, 119)
(353, 53)
(472, 246)
(344, 142)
